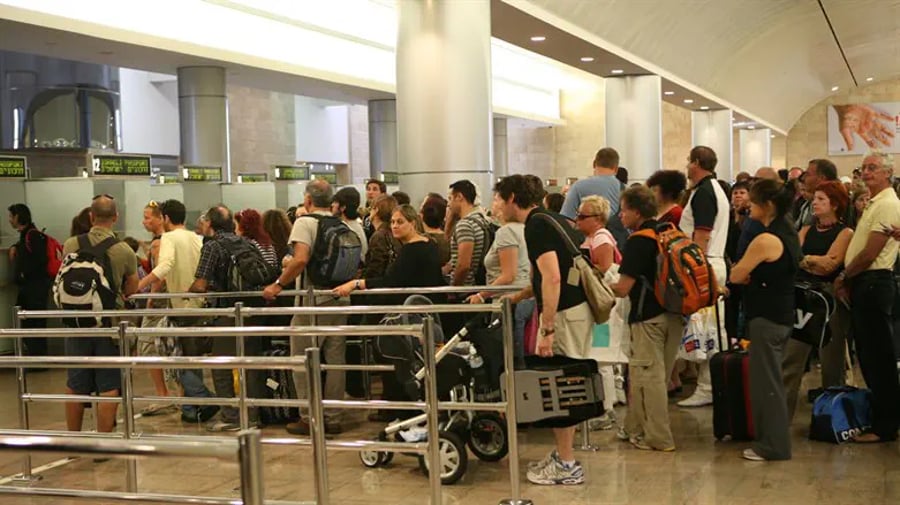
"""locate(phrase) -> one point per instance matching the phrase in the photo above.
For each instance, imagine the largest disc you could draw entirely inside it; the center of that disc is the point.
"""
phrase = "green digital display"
(242, 178)
(12, 166)
(390, 177)
(192, 173)
(330, 178)
(291, 173)
(122, 165)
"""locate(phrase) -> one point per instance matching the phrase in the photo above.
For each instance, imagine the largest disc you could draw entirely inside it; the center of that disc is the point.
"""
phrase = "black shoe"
(301, 427)
(204, 414)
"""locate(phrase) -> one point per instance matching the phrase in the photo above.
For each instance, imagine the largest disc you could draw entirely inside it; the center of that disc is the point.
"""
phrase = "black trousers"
(34, 296)
(872, 297)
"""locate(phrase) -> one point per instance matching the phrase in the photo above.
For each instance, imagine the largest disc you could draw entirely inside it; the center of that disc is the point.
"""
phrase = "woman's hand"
(345, 289)
(475, 299)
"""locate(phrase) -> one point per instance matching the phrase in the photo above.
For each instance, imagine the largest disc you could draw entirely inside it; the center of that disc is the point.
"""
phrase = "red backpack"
(685, 281)
(54, 253)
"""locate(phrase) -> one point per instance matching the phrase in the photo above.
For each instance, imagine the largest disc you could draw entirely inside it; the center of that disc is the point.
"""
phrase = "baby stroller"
(468, 370)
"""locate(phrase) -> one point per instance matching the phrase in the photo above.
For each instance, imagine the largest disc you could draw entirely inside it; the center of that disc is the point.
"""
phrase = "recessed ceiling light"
(538, 38)
(751, 127)
(772, 136)
(704, 108)
(870, 79)
(668, 93)
(587, 59)
(617, 71)
(688, 100)
(835, 88)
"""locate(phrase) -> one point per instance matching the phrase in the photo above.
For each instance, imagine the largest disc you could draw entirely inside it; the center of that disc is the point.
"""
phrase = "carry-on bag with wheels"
(729, 370)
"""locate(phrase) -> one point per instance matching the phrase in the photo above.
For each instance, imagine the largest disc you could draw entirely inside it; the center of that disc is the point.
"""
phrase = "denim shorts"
(84, 381)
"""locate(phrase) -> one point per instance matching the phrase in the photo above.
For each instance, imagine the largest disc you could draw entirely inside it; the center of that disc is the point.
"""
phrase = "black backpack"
(336, 255)
(84, 282)
(247, 269)
(490, 231)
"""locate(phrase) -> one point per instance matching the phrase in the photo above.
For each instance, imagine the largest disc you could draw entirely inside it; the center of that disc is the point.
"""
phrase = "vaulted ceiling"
(772, 58)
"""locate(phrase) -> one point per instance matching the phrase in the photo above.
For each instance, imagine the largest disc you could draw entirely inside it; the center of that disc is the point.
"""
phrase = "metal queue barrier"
(246, 446)
(309, 296)
(424, 332)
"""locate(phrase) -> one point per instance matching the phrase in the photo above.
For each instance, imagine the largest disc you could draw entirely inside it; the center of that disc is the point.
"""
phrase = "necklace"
(825, 226)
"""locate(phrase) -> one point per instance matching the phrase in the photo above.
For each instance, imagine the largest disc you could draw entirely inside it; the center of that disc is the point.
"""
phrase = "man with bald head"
(120, 266)
(767, 173)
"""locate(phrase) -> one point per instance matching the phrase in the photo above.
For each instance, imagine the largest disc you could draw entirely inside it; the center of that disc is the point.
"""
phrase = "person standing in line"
(468, 242)
(29, 259)
(374, 190)
(433, 213)
(667, 187)
(179, 255)
(603, 183)
(566, 326)
(768, 270)
(278, 226)
(705, 220)
(868, 282)
(249, 226)
(345, 204)
(655, 333)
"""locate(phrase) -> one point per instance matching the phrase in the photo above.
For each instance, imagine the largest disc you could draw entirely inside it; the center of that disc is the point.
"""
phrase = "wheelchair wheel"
(488, 439)
(454, 459)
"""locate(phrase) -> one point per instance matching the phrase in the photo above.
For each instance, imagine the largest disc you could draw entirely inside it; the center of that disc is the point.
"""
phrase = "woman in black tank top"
(769, 270)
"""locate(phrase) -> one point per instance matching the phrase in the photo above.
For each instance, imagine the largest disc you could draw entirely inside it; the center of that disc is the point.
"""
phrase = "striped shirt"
(470, 229)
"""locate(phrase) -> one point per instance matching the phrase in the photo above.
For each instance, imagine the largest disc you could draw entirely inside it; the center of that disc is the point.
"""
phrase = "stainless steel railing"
(426, 334)
(246, 447)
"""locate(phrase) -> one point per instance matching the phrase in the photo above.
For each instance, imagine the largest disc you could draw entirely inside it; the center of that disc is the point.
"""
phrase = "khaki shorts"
(574, 332)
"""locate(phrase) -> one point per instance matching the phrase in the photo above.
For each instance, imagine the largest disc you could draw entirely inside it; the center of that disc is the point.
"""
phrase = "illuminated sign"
(12, 166)
(122, 165)
(192, 173)
(242, 178)
(291, 173)
(390, 177)
(330, 178)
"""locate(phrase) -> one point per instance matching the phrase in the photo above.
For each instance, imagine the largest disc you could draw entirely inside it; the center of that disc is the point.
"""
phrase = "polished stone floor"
(701, 471)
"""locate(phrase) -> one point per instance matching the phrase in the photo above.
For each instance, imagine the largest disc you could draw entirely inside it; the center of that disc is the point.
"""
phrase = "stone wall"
(359, 144)
(261, 129)
(808, 139)
(676, 136)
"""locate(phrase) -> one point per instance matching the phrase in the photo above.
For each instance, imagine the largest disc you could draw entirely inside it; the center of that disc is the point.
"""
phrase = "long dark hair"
(278, 226)
(767, 190)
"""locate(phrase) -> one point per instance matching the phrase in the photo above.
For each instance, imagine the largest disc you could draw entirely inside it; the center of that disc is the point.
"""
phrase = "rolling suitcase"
(730, 374)
(280, 386)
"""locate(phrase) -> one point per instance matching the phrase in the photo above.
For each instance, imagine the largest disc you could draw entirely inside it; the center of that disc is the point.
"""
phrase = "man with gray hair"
(869, 283)
(303, 240)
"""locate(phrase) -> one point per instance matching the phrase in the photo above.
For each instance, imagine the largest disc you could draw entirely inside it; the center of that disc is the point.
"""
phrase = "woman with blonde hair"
(593, 214)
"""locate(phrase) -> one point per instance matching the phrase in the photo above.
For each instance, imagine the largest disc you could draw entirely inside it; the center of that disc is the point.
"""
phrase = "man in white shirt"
(705, 220)
(179, 254)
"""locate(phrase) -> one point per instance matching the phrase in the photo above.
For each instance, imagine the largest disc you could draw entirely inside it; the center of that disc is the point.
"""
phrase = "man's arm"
(130, 286)
(570, 204)
(551, 287)
(463, 262)
(701, 238)
(875, 243)
(164, 264)
(290, 273)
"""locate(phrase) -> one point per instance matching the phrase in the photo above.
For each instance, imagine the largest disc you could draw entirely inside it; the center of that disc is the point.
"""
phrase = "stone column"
(501, 149)
(203, 115)
(444, 113)
(756, 149)
(713, 129)
(382, 137)
(634, 123)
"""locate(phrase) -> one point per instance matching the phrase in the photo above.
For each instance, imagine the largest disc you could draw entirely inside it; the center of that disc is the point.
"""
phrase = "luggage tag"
(272, 384)
(574, 277)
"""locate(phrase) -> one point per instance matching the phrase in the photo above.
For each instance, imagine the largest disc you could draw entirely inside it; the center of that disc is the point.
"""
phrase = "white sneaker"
(539, 465)
(698, 399)
(603, 423)
(556, 473)
(750, 454)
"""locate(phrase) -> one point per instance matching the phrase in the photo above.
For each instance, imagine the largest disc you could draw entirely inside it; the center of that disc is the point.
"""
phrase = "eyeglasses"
(104, 195)
(581, 217)
(870, 167)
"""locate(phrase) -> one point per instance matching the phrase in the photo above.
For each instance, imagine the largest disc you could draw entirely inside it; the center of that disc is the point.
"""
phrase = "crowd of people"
(760, 235)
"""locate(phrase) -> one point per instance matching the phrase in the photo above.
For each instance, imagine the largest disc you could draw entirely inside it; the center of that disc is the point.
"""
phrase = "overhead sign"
(13, 166)
(138, 166)
(330, 178)
(193, 173)
(857, 128)
(291, 173)
(242, 178)
(390, 177)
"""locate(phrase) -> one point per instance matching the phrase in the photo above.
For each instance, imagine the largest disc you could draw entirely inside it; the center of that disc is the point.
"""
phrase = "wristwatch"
(356, 285)
(278, 283)
(545, 332)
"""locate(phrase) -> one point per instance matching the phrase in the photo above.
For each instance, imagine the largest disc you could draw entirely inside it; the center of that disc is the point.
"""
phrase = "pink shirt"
(599, 238)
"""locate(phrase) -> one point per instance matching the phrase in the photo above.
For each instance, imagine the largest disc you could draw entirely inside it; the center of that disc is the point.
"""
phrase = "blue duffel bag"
(840, 413)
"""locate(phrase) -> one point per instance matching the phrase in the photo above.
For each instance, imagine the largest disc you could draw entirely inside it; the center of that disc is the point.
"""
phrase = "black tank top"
(817, 243)
(770, 293)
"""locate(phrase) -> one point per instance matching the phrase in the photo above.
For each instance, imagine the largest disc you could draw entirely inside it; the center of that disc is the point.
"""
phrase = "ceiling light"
(751, 127)
(587, 59)
(870, 79)
(688, 100)
(617, 71)
(704, 108)
(835, 88)
(772, 136)
(668, 93)
(538, 38)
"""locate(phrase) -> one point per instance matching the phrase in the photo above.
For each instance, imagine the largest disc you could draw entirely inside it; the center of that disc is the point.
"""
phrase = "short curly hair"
(596, 205)
(640, 199)
(671, 183)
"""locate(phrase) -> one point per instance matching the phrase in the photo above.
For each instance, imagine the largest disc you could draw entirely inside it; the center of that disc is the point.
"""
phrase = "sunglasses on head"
(153, 204)
(104, 195)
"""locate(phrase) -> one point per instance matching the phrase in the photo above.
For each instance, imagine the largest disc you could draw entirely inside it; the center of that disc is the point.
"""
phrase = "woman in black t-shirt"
(769, 270)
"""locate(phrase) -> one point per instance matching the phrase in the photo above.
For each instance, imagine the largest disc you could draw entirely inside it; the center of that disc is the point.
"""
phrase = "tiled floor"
(702, 471)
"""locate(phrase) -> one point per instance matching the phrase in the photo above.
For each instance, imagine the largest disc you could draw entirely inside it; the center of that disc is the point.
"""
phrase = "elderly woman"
(591, 220)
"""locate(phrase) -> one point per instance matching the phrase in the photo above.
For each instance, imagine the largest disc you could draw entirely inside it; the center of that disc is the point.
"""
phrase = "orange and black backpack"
(685, 282)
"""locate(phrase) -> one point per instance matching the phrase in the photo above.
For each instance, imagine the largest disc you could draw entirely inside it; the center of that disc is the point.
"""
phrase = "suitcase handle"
(719, 324)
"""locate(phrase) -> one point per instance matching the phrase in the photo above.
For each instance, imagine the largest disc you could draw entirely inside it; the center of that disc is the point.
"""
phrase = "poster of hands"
(860, 127)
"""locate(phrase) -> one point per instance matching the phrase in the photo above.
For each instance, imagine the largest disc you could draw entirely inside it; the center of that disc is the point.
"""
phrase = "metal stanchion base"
(586, 448)
(512, 501)
(586, 445)
(26, 478)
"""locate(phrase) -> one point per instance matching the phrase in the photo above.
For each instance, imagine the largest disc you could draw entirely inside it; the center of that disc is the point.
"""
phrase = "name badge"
(574, 277)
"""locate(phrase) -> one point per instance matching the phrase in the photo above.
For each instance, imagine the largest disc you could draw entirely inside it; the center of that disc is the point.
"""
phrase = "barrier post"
(250, 461)
(432, 412)
(509, 343)
(317, 423)
(586, 445)
(241, 351)
(131, 484)
(21, 390)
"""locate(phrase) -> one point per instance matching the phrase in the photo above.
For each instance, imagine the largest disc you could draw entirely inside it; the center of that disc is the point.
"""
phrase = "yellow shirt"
(883, 210)
(179, 254)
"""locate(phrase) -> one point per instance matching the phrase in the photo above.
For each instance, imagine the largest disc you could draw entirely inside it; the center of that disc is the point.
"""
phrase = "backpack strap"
(645, 283)
(100, 251)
